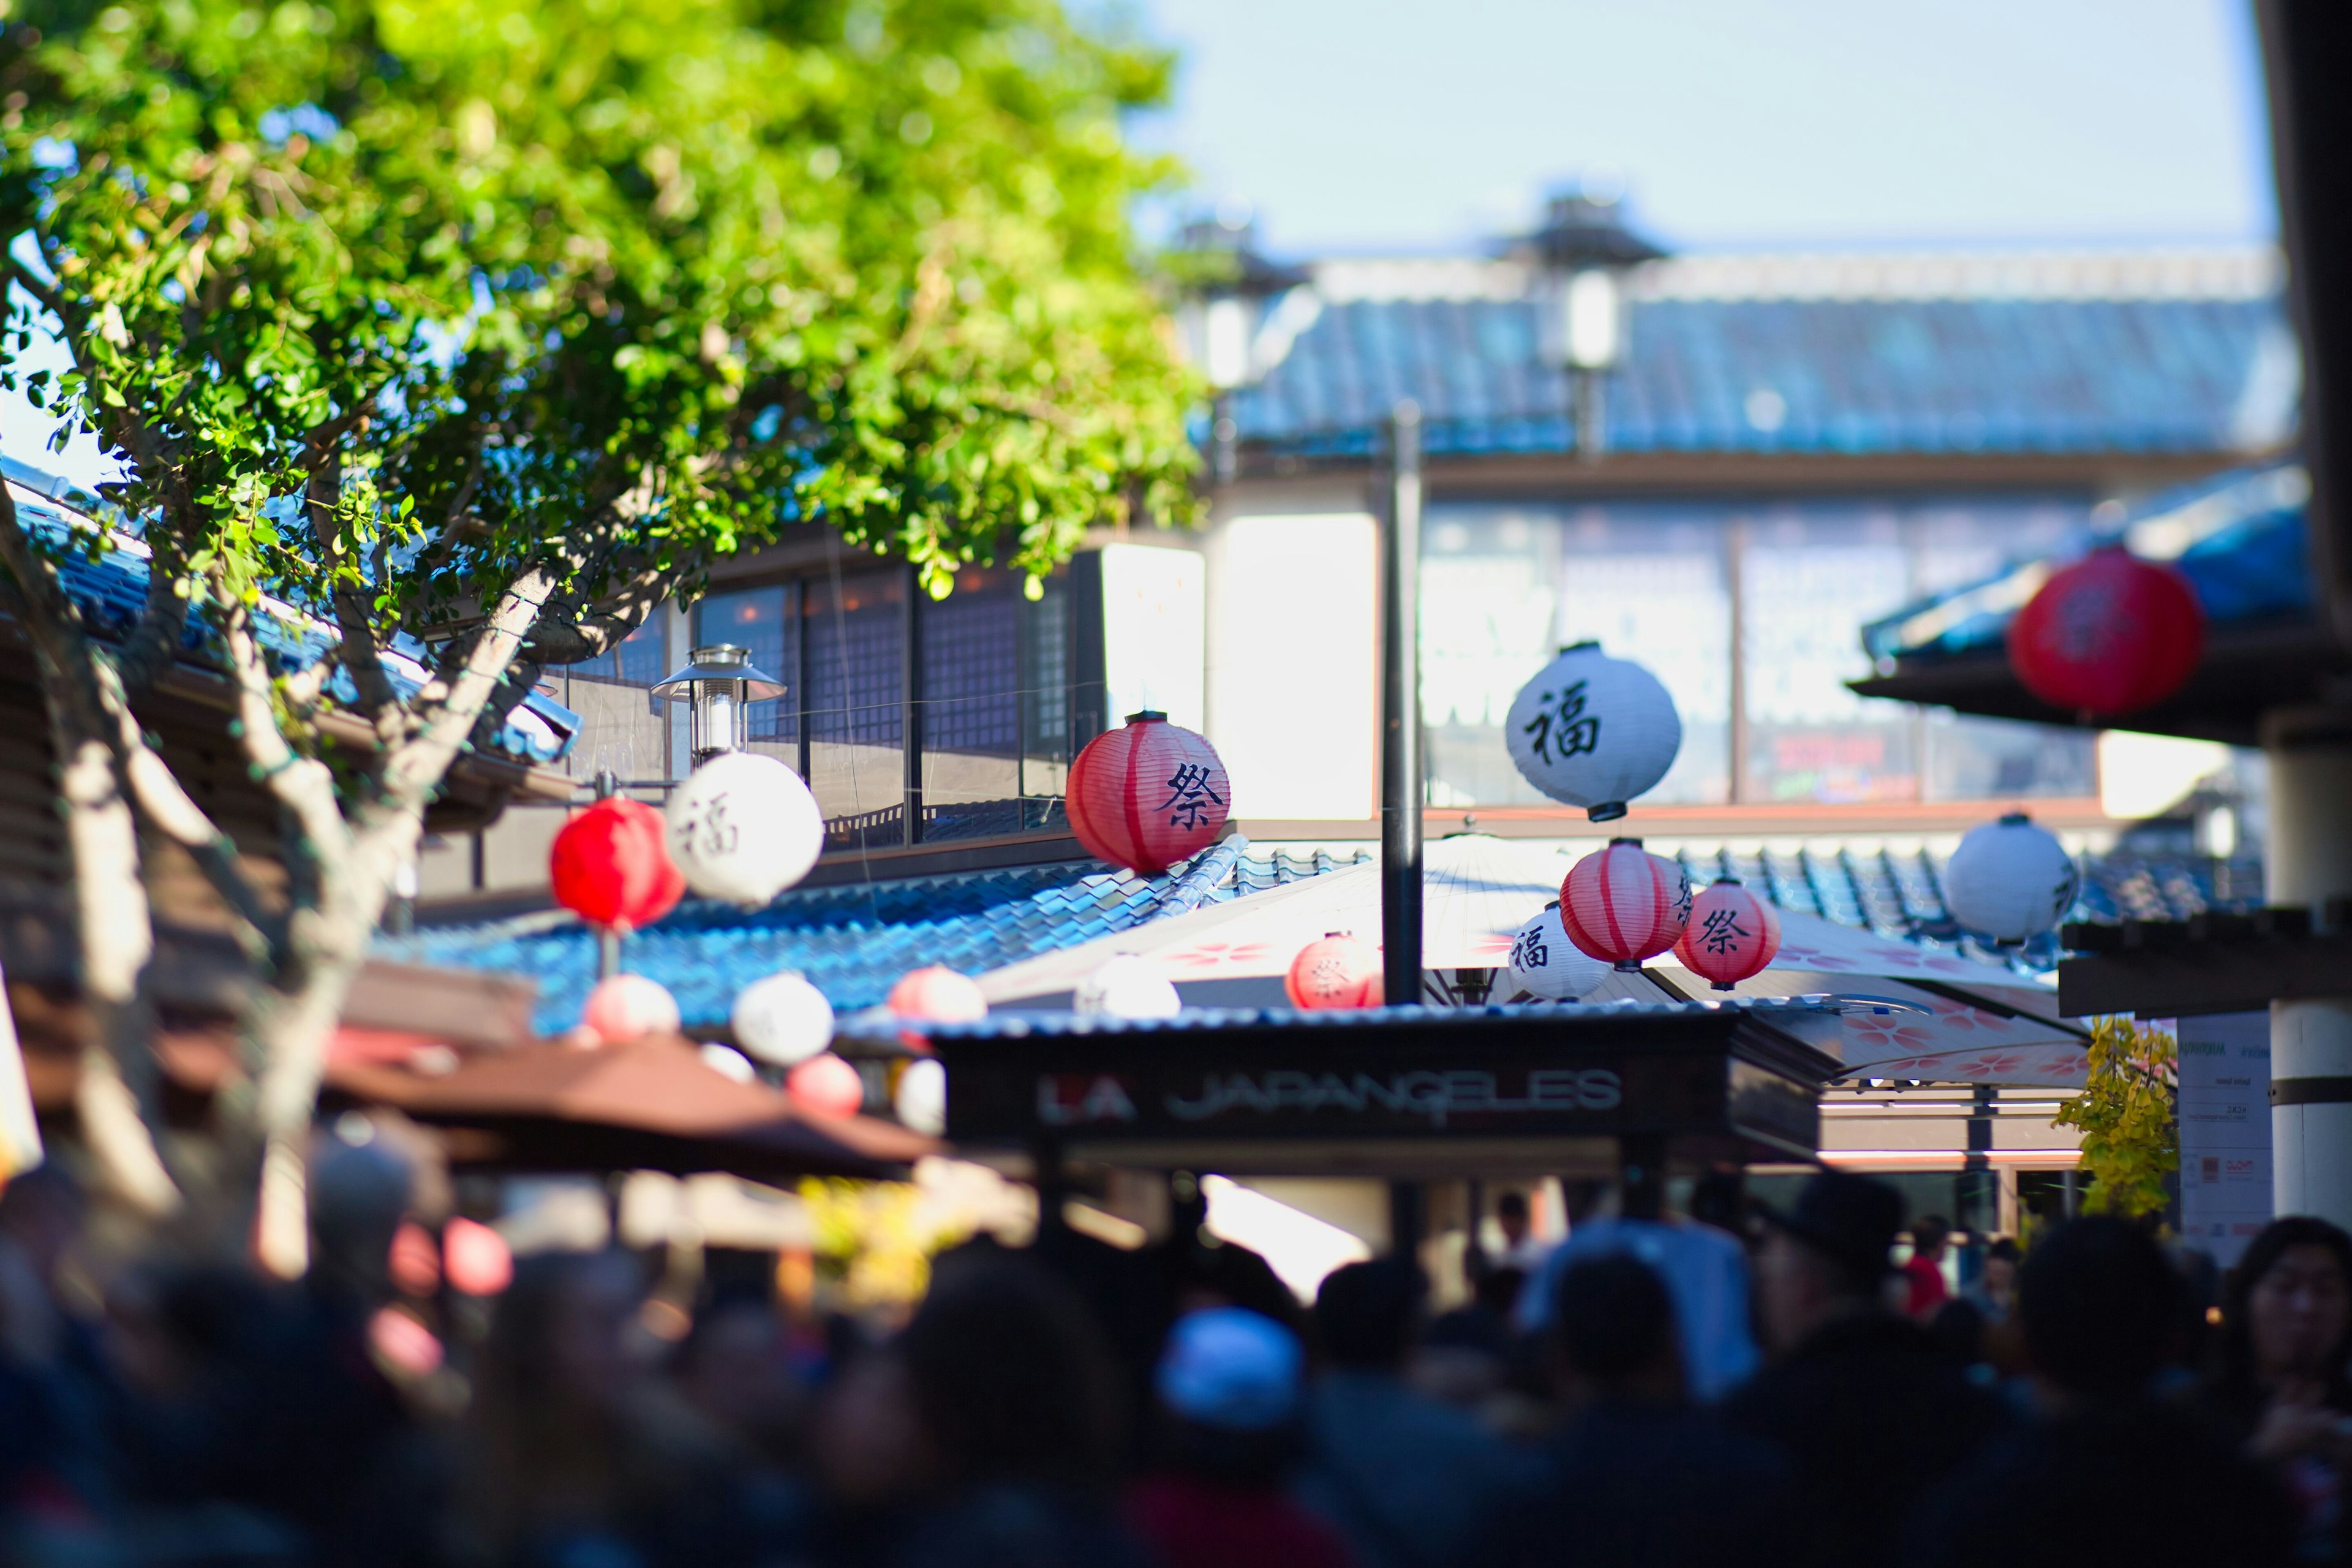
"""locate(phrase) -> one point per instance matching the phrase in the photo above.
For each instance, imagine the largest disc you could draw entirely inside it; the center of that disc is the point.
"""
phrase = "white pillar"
(2307, 860)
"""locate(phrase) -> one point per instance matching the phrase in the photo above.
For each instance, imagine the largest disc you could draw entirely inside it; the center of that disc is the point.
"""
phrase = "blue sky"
(1382, 124)
(1356, 125)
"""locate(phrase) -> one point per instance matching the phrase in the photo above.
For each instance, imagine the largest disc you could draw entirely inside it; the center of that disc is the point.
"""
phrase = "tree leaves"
(2131, 1140)
(590, 285)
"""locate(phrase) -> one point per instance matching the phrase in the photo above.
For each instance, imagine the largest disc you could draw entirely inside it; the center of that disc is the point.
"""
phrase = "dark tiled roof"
(852, 942)
(1810, 375)
(111, 590)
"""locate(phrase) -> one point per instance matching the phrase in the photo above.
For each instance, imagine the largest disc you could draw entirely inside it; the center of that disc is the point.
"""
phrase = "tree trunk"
(119, 1099)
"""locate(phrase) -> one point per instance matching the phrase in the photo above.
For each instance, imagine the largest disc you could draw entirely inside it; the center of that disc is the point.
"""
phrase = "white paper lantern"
(921, 1096)
(2011, 880)
(1545, 964)
(743, 828)
(1125, 986)
(782, 1019)
(729, 1063)
(1594, 732)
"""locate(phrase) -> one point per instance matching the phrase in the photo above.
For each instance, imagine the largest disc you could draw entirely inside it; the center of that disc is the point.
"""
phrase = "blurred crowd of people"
(1770, 1388)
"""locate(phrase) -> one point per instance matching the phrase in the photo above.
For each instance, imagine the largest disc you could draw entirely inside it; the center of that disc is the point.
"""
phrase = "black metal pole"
(1401, 787)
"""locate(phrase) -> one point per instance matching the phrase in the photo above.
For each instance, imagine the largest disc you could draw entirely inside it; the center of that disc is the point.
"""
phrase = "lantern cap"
(720, 662)
(1635, 842)
(1592, 643)
(2014, 818)
(1725, 882)
(1607, 811)
(1147, 716)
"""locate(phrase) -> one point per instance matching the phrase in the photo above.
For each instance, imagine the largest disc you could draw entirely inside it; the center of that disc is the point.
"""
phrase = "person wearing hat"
(1231, 1392)
(1859, 1395)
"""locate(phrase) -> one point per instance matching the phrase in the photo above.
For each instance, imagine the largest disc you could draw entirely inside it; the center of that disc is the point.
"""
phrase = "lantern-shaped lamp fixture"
(1732, 935)
(717, 683)
(1624, 904)
(2011, 880)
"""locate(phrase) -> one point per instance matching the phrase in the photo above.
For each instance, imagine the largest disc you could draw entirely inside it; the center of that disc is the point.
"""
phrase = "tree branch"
(303, 785)
(415, 769)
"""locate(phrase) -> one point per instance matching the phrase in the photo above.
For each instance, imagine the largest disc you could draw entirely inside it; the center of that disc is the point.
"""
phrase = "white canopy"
(1961, 1021)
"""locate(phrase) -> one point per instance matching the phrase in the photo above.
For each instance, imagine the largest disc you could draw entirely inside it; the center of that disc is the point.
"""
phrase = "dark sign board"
(1676, 1074)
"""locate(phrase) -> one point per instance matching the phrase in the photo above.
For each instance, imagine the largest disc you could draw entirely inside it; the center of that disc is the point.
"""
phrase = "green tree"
(490, 325)
(2131, 1137)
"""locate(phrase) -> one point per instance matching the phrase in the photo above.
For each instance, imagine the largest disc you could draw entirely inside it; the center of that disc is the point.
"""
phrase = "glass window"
(1504, 587)
(761, 622)
(855, 646)
(971, 707)
(1810, 578)
(643, 657)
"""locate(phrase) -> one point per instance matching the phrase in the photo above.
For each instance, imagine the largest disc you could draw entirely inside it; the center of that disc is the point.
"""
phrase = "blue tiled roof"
(852, 942)
(2240, 539)
(1900, 895)
(111, 591)
(1832, 376)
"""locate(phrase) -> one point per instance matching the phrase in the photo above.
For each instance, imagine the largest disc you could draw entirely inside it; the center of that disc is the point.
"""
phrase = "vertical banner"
(2225, 1132)
(20, 1135)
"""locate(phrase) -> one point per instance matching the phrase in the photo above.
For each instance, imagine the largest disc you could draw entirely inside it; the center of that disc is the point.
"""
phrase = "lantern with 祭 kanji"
(2011, 880)
(1731, 936)
(1339, 970)
(1147, 794)
(1624, 904)
(610, 867)
(2110, 633)
(1594, 732)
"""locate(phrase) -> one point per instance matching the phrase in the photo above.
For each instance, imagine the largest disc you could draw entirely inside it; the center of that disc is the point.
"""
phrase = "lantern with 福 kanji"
(611, 868)
(1624, 904)
(2110, 633)
(1594, 732)
(1147, 794)
(742, 828)
(1336, 971)
(1546, 965)
(1731, 935)
(2011, 880)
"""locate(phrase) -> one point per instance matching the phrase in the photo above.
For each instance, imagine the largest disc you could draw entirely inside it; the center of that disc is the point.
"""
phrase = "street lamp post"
(1220, 323)
(717, 684)
(1584, 250)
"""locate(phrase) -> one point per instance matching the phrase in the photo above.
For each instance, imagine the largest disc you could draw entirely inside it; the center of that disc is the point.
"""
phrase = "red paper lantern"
(1731, 935)
(826, 1085)
(1336, 971)
(1624, 904)
(1146, 795)
(2108, 634)
(477, 1258)
(611, 865)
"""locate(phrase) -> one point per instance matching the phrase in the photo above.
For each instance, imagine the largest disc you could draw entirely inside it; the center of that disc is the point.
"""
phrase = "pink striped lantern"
(1732, 935)
(1146, 795)
(1624, 904)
